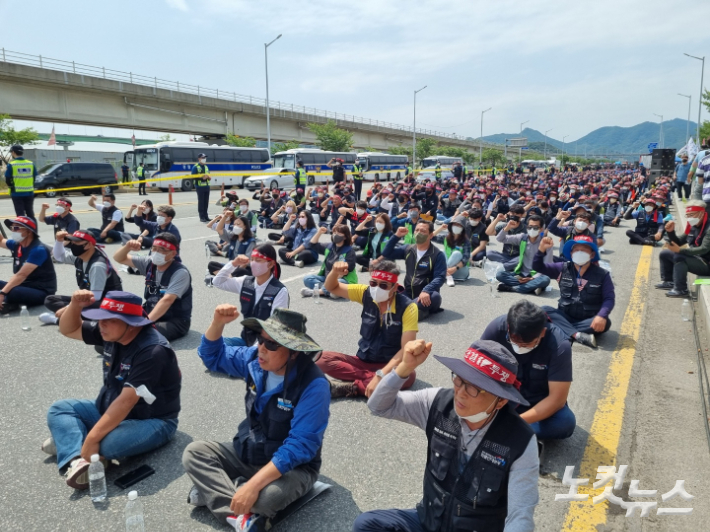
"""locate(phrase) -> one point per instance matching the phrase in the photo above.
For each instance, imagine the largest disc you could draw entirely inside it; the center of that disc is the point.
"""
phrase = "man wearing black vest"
(92, 267)
(482, 463)
(276, 454)
(168, 285)
(338, 170)
(33, 276)
(62, 219)
(111, 220)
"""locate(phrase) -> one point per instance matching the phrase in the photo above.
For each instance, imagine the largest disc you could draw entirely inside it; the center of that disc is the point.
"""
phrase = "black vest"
(181, 309)
(106, 218)
(585, 304)
(262, 309)
(477, 498)
(62, 224)
(43, 276)
(113, 281)
(646, 227)
(378, 342)
(419, 272)
(260, 435)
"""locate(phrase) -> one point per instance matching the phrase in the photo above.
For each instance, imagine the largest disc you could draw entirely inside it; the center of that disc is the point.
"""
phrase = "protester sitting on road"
(586, 289)
(147, 214)
(299, 251)
(613, 210)
(689, 252)
(168, 285)
(408, 221)
(457, 249)
(111, 220)
(581, 225)
(449, 206)
(278, 219)
(138, 405)
(464, 425)
(389, 321)
(649, 223)
(33, 276)
(92, 267)
(509, 255)
(62, 219)
(276, 455)
(163, 224)
(339, 250)
(477, 236)
(544, 358)
(236, 241)
(426, 267)
(260, 292)
(523, 279)
(374, 243)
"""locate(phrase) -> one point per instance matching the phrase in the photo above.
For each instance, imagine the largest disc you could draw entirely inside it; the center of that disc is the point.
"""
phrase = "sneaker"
(208, 280)
(586, 339)
(78, 474)
(477, 264)
(602, 250)
(340, 389)
(306, 292)
(195, 498)
(364, 269)
(6, 307)
(505, 288)
(677, 293)
(539, 290)
(665, 285)
(244, 522)
(48, 318)
(108, 240)
(49, 447)
(450, 280)
(298, 263)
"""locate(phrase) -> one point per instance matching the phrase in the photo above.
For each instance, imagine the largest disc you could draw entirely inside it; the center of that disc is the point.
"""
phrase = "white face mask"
(581, 226)
(477, 418)
(378, 294)
(59, 209)
(107, 204)
(202, 161)
(303, 221)
(16, 236)
(580, 258)
(612, 200)
(474, 223)
(160, 220)
(648, 208)
(693, 221)
(158, 259)
(259, 268)
(244, 208)
(146, 210)
(519, 350)
(456, 229)
(533, 232)
(289, 210)
(380, 226)
(238, 229)
(360, 212)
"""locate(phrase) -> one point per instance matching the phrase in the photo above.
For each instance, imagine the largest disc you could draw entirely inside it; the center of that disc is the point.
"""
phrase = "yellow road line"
(603, 443)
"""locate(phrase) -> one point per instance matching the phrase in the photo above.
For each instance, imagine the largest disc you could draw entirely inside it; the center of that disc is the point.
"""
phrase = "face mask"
(420, 238)
(259, 268)
(612, 200)
(60, 210)
(77, 249)
(244, 208)
(477, 418)
(320, 194)
(553, 198)
(648, 208)
(107, 204)
(581, 226)
(303, 221)
(580, 258)
(146, 210)
(381, 227)
(533, 232)
(160, 220)
(378, 294)
(238, 229)
(693, 221)
(474, 223)
(289, 210)
(16, 236)
(360, 212)
(202, 161)
(413, 214)
(521, 350)
(456, 229)
(158, 259)
(337, 239)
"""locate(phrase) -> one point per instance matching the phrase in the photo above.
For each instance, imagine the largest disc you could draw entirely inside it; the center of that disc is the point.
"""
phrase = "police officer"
(358, 175)
(202, 186)
(168, 285)
(300, 177)
(482, 461)
(142, 175)
(92, 267)
(437, 171)
(20, 177)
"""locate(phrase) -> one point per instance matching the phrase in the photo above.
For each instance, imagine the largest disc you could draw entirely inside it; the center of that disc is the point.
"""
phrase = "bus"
(429, 165)
(314, 162)
(382, 166)
(175, 160)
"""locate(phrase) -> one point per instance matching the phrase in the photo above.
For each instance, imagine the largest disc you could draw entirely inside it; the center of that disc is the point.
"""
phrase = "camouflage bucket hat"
(287, 328)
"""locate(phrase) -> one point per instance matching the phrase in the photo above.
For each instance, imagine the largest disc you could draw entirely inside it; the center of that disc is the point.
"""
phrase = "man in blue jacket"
(276, 454)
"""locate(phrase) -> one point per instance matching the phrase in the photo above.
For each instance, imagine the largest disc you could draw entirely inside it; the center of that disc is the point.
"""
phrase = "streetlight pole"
(414, 130)
(520, 151)
(480, 153)
(563, 145)
(660, 135)
(700, 101)
(545, 152)
(268, 112)
(687, 124)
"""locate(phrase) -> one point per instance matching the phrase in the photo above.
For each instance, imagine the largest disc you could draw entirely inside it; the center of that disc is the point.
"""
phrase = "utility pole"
(414, 130)
(480, 154)
(268, 112)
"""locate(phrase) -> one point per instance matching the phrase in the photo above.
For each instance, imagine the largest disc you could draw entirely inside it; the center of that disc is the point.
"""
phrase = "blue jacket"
(394, 251)
(312, 411)
(301, 235)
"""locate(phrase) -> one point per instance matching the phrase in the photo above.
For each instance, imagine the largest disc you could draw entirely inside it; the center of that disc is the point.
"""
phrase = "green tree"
(330, 137)
(283, 146)
(492, 156)
(240, 142)
(165, 138)
(704, 131)
(9, 136)
(425, 148)
(400, 150)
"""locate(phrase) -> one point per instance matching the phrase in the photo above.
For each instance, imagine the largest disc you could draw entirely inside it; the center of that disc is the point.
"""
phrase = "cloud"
(180, 5)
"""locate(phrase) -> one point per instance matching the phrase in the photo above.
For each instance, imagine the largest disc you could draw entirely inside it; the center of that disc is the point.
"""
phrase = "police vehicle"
(382, 166)
(429, 165)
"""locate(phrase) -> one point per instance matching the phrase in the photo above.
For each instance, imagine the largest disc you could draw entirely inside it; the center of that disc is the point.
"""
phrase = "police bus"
(429, 165)
(382, 166)
(314, 162)
(175, 160)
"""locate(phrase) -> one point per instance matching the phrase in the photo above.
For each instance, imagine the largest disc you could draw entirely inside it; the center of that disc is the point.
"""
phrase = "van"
(69, 175)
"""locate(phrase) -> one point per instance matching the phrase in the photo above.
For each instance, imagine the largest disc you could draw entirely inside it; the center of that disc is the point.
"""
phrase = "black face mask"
(337, 239)
(77, 249)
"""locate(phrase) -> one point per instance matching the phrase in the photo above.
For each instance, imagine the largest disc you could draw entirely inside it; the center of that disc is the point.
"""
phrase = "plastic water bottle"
(316, 294)
(134, 514)
(25, 319)
(97, 479)
(686, 311)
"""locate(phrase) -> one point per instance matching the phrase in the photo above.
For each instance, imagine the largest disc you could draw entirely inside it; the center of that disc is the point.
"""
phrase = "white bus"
(429, 165)
(314, 161)
(382, 166)
(175, 160)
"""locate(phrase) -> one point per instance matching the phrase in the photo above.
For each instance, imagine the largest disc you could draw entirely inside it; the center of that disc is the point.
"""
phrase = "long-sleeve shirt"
(301, 236)
(530, 249)
(702, 250)
(389, 402)
(224, 281)
(393, 251)
(310, 417)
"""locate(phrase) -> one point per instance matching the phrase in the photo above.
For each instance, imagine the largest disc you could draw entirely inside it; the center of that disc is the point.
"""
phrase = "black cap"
(201, 155)
(19, 150)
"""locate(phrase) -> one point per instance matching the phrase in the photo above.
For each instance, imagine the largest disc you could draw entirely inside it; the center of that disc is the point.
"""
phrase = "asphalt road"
(371, 463)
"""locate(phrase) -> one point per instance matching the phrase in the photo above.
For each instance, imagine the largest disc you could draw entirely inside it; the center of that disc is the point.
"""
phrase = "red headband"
(62, 202)
(121, 307)
(256, 255)
(490, 367)
(85, 236)
(694, 209)
(164, 244)
(384, 276)
(25, 221)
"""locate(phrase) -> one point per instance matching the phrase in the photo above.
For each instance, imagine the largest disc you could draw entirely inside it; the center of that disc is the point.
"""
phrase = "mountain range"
(609, 139)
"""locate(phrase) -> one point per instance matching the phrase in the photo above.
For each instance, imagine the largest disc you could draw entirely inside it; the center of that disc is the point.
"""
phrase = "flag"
(133, 140)
(52, 139)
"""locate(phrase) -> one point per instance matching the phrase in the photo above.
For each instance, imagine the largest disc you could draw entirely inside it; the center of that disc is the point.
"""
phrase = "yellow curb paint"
(603, 442)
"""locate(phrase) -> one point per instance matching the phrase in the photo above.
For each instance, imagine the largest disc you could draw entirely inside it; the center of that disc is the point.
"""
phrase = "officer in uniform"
(358, 176)
(437, 171)
(20, 177)
(141, 174)
(300, 177)
(409, 170)
(62, 219)
(168, 285)
(92, 267)
(202, 186)
(482, 461)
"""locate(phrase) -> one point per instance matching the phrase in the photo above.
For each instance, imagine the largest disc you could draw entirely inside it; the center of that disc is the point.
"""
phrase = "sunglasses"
(384, 285)
(16, 228)
(270, 345)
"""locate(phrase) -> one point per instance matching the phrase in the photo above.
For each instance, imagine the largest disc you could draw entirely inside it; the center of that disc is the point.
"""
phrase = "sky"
(568, 67)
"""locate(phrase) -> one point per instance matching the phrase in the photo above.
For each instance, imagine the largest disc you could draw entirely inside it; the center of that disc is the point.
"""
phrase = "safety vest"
(22, 180)
(262, 309)
(201, 181)
(139, 172)
(409, 170)
(181, 309)
(300, 174)
(357, 172)
(437, 171)
(380, 339)
(376, 251)
(351, 277)
(43, 277)
(580, 305)
(113, 281)
(448, 250)
(463, 494)
(523, 245)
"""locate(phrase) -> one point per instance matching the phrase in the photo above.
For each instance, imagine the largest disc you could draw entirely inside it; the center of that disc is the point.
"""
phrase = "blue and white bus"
(428, 170)
(176, 159)
(314, 161)
(382, 166)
